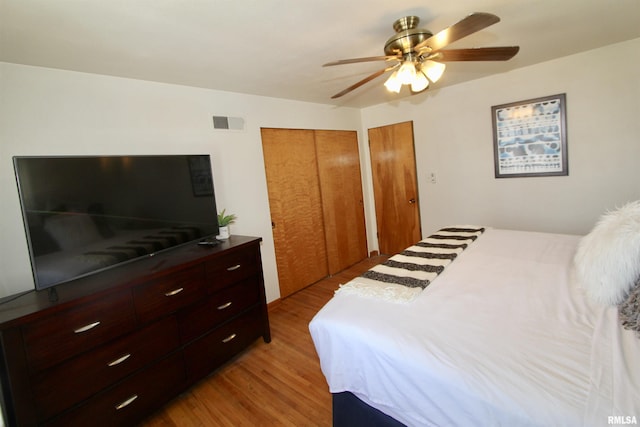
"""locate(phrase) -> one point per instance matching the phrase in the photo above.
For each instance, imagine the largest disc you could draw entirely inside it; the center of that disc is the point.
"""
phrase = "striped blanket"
(129, 245)
(403, 276)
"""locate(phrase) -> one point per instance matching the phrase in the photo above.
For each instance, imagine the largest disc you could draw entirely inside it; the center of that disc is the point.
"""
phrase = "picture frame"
(530, 137)
(201, 179)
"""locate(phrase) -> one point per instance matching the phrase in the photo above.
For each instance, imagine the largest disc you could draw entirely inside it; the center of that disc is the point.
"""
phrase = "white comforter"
(502, 337)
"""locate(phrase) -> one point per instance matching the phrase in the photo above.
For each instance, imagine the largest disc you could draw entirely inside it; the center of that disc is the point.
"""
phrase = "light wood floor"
(275, 384)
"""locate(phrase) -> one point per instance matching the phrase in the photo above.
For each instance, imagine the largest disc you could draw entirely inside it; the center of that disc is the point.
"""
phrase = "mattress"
(503, 336)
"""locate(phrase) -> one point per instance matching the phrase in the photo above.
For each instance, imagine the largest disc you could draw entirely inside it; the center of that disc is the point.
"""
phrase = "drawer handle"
(223, 306)
(86, 328)
(235, 267)
(229, 338)
(173, 292)
(119, 360)
(126, 403)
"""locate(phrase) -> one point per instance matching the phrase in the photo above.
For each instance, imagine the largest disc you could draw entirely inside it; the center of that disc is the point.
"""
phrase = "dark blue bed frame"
(349, 411)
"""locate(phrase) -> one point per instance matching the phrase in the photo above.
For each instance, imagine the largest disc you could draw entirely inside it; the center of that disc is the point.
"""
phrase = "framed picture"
(201, 179)
(530, 138)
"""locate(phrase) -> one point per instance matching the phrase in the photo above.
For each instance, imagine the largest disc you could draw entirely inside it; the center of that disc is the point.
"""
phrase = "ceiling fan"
(416, 55)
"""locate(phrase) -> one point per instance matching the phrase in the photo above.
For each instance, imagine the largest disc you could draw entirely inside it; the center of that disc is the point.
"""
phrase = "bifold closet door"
(315, 196)
(342, 202)
(296, 207)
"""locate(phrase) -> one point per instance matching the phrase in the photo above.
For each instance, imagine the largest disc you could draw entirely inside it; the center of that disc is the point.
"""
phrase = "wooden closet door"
(342, 203)
(395, 186)
(296, 207)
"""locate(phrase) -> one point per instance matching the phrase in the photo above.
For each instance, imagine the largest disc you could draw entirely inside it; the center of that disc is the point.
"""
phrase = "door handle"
(412, 201)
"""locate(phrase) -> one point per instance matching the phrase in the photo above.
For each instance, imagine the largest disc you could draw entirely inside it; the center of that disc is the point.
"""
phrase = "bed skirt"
(349, 411)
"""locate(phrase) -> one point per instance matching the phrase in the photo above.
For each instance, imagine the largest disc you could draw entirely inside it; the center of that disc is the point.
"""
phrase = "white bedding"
(94, 254)
(502, 337)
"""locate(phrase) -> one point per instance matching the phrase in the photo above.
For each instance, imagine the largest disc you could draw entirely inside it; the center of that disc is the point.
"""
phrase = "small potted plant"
(223, 223)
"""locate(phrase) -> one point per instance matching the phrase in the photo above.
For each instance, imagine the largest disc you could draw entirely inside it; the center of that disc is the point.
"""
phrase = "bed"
(78, 245)
(502, 335)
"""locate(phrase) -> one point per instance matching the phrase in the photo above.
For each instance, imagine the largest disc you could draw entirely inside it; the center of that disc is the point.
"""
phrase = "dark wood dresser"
(119, 344)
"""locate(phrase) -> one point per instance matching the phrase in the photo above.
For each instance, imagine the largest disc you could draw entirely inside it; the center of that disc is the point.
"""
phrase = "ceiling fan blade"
(502, 53)
(469, 25)
(355, 60)
(361, 82)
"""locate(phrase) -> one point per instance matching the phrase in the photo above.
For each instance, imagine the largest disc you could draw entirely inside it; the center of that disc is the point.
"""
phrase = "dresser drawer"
(129, 402)
(63, 335)
(169, 293)
(232, 267)
(212, 350)
(63, 386)
(219, 308)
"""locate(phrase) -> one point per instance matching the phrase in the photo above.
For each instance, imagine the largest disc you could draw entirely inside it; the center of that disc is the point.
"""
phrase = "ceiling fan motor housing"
(407, 36)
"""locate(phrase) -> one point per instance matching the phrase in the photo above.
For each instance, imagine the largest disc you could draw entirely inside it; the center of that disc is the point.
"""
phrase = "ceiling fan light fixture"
(417, 53)
(393, 84)
(407, 73)
(433, 70)
(420, 83)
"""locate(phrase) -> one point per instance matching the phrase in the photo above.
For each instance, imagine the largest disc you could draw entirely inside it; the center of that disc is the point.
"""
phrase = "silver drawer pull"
(223, 306)
(229, 338)
(119, 360)
(86, 328)
(173, 292)
(126, 403)
(235, 267)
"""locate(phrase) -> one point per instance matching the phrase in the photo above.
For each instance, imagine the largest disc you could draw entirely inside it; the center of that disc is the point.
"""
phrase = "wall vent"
(228, 123)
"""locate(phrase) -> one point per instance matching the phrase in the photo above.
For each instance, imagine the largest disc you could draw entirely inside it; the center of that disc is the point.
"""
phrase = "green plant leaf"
(224, 220)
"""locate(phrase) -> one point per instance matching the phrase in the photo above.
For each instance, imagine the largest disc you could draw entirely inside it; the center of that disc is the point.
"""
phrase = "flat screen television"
(83, 215)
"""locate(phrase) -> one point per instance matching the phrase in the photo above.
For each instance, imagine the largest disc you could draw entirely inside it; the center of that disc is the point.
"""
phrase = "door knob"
(412, 201)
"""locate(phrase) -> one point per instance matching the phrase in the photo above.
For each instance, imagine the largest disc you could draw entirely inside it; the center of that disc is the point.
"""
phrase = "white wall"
(53, 112)
(453, 139)
(45, 111)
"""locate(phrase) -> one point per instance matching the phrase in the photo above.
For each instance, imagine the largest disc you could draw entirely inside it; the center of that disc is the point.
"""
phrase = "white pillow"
(607, 262)
(72, 230)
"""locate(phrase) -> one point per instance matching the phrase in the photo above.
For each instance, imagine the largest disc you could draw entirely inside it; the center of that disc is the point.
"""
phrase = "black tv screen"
(83, 215)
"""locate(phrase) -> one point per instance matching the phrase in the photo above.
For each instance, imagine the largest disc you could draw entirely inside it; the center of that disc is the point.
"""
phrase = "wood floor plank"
(275, 384)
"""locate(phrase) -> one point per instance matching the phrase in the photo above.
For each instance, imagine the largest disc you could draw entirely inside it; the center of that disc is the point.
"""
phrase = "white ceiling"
(276, 48)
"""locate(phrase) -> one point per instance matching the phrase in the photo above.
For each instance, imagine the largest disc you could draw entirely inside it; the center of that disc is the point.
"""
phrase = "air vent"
(228, 123)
